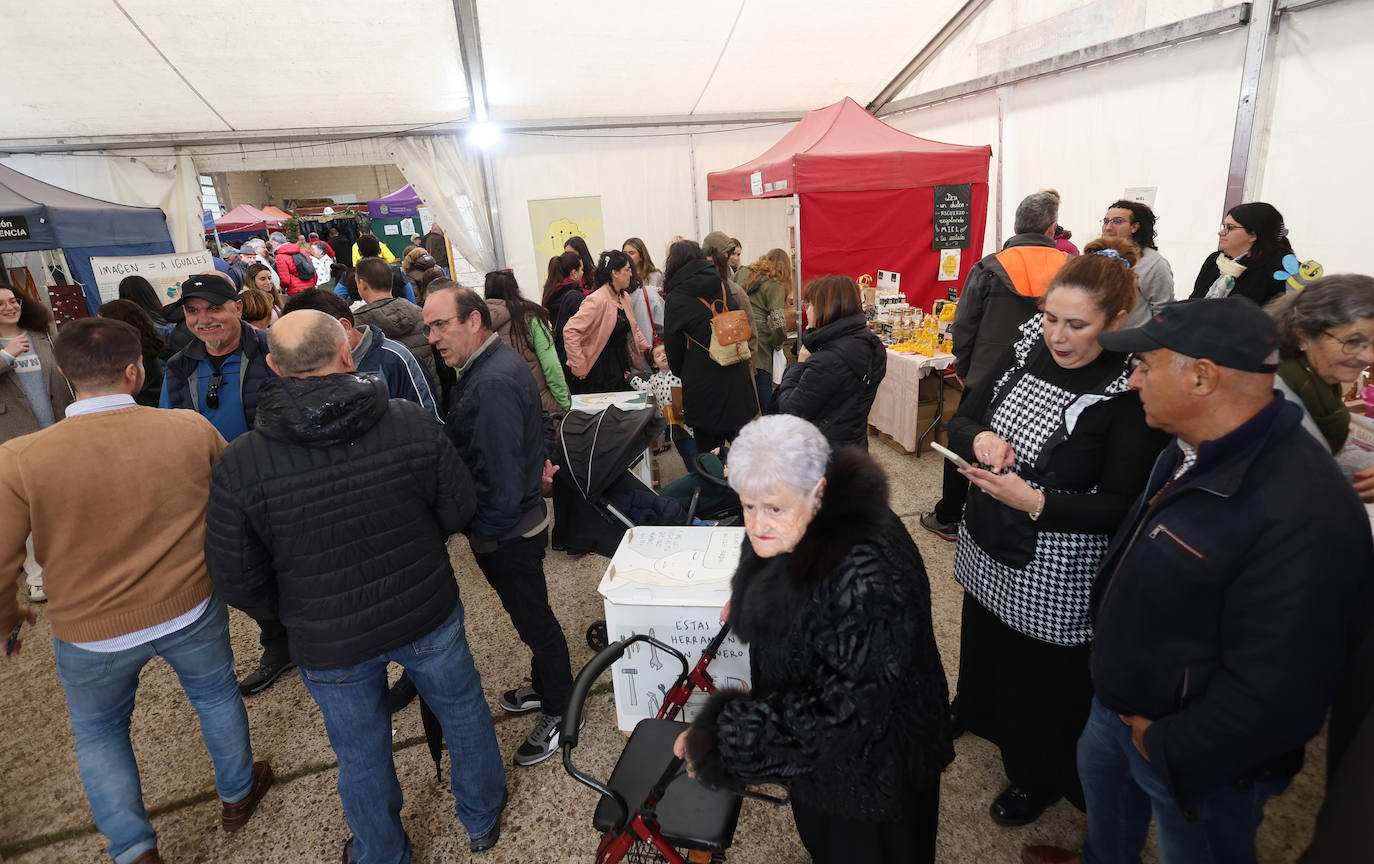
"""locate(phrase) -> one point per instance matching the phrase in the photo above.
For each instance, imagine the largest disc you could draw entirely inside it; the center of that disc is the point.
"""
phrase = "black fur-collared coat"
(849, 707)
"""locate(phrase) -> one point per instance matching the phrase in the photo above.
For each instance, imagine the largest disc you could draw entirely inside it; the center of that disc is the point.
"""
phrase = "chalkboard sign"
(14, 228)
(953, 216)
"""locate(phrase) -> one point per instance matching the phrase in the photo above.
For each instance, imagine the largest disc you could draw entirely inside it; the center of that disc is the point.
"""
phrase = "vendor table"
(894, 406)
(626, 400)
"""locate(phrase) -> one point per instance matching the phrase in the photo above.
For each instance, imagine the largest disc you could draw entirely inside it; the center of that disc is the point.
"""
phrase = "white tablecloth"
(894, 407)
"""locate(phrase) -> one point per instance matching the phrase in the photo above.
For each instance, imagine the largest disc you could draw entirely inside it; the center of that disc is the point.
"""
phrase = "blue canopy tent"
(35, 215)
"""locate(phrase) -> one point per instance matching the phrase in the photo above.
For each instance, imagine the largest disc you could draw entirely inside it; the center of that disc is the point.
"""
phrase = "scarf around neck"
(1322, 401)
(1229, 271)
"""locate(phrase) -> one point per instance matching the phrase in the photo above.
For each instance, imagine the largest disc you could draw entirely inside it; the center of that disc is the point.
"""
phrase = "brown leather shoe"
(149, 857)
(1048, 855)
(234, 816)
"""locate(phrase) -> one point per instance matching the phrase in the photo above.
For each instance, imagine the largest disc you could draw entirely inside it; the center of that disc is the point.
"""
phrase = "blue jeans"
(357, 716)
(100, 696)
(1123, 790)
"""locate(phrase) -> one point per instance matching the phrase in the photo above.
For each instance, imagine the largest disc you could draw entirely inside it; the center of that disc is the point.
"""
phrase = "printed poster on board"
(165, 272)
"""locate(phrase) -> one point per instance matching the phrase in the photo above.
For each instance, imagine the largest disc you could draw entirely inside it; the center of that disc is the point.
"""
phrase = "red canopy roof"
(843, 148)
(246, 217)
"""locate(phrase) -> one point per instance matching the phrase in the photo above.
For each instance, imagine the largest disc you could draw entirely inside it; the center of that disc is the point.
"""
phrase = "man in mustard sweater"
(134, 588)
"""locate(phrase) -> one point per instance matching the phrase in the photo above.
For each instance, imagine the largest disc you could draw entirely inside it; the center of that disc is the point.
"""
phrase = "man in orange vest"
(1002, 291)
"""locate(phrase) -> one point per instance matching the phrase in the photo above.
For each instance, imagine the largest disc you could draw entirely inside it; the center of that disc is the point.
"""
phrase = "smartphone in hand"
(950, 455)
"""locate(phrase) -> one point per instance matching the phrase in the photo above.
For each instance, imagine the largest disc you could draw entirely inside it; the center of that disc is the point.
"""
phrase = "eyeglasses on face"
(1227, 227)
(1114, 220)
(1352, 346)
(439, 324)
(12, 303)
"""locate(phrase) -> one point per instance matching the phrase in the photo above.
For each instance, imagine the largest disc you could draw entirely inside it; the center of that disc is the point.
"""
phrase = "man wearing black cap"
(1226, 605)
(218, 376)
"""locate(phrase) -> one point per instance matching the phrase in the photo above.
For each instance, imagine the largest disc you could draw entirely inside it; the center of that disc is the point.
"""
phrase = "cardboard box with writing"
(670, 582)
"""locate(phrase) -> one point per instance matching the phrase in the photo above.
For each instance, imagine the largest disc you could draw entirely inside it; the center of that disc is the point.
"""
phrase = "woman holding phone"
(1060, 450)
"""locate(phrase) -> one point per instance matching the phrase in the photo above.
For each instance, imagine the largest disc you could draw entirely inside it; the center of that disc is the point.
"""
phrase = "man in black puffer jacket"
(290, 535)
(496, 420)
(842, 365)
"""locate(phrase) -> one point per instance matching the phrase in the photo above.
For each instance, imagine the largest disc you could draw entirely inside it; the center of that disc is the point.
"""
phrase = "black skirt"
(832, 839)
(1030, 698)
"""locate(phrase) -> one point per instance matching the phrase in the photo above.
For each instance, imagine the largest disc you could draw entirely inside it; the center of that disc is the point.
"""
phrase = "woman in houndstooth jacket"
(1061, 450)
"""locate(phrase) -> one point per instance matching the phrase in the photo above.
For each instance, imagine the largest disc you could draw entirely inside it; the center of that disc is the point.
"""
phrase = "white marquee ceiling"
(77, 68)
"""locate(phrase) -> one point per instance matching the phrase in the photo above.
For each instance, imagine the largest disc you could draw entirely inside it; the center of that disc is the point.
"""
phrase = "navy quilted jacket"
(182, 368)
(333, 514)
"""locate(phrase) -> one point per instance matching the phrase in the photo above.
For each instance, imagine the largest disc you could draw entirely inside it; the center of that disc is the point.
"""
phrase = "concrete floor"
(44, 817)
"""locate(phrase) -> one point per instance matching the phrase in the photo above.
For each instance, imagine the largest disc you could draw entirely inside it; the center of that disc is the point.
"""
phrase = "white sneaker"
(36, 594)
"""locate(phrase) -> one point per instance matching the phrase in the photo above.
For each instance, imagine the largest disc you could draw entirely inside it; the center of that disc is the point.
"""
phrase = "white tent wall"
(643, 176)
(168, 182)
(1315, 159)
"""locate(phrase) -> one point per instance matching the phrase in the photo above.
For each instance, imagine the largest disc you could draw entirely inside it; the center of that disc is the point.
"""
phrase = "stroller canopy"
(595, 449)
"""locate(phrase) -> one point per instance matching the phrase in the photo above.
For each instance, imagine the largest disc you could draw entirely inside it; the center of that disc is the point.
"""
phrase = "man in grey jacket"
(396, 317)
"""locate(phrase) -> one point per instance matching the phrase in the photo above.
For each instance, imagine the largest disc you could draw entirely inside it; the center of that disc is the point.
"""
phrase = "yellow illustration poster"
(554, 220)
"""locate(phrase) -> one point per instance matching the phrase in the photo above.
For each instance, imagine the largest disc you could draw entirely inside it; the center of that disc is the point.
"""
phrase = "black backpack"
(305, 268)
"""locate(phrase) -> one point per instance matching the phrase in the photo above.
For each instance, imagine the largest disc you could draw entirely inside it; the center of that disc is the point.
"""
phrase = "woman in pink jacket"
(602, 340)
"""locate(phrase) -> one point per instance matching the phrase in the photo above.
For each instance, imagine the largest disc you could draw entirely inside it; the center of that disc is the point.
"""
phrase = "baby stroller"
(678, 820)
(596, 498)
(594, 454)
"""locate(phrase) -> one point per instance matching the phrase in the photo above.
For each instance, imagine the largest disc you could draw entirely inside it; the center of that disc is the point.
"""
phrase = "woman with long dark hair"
(602, 338)
(563, 295)
(132, 314)
(1060, 450)
(1251, 245)
(578, 245)
(716, 400)
(524, 326)
(141, 292)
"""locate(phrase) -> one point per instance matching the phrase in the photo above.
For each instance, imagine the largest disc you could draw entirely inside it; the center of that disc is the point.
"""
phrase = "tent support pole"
(1262, 21)
(796, 263)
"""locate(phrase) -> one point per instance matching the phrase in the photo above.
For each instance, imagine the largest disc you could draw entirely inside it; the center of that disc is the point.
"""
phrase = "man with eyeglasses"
(1135, 221)
(218, 376)
(496, 421)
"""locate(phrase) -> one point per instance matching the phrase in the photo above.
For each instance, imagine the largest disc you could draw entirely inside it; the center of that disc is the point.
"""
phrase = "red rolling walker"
(679, 821)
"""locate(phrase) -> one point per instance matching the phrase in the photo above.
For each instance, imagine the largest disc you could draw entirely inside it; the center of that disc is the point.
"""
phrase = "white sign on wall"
(165, 272)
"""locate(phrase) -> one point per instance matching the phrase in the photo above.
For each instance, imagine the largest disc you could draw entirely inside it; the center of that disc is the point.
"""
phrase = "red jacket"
(291, 282)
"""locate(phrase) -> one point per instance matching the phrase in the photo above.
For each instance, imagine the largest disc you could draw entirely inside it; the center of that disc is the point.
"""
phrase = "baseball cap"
(217, 289)
(1229, 331)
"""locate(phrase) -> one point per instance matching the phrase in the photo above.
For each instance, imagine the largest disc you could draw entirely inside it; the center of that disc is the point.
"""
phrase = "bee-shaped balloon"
(1297, 274)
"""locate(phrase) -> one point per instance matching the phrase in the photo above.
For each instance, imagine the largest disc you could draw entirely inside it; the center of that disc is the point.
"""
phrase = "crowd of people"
(1158, 517)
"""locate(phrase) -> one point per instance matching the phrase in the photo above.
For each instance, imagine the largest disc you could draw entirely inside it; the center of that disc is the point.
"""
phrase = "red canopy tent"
(246, 217)
(867, 199)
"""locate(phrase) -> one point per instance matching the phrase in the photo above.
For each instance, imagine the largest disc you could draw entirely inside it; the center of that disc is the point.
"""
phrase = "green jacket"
(766, 300)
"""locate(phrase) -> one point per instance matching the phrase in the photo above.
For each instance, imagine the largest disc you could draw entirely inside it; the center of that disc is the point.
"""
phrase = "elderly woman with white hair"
(1326, 341)
(848, 707)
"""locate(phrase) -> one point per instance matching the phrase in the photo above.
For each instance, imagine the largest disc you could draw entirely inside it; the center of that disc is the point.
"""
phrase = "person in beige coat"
(602, 340)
